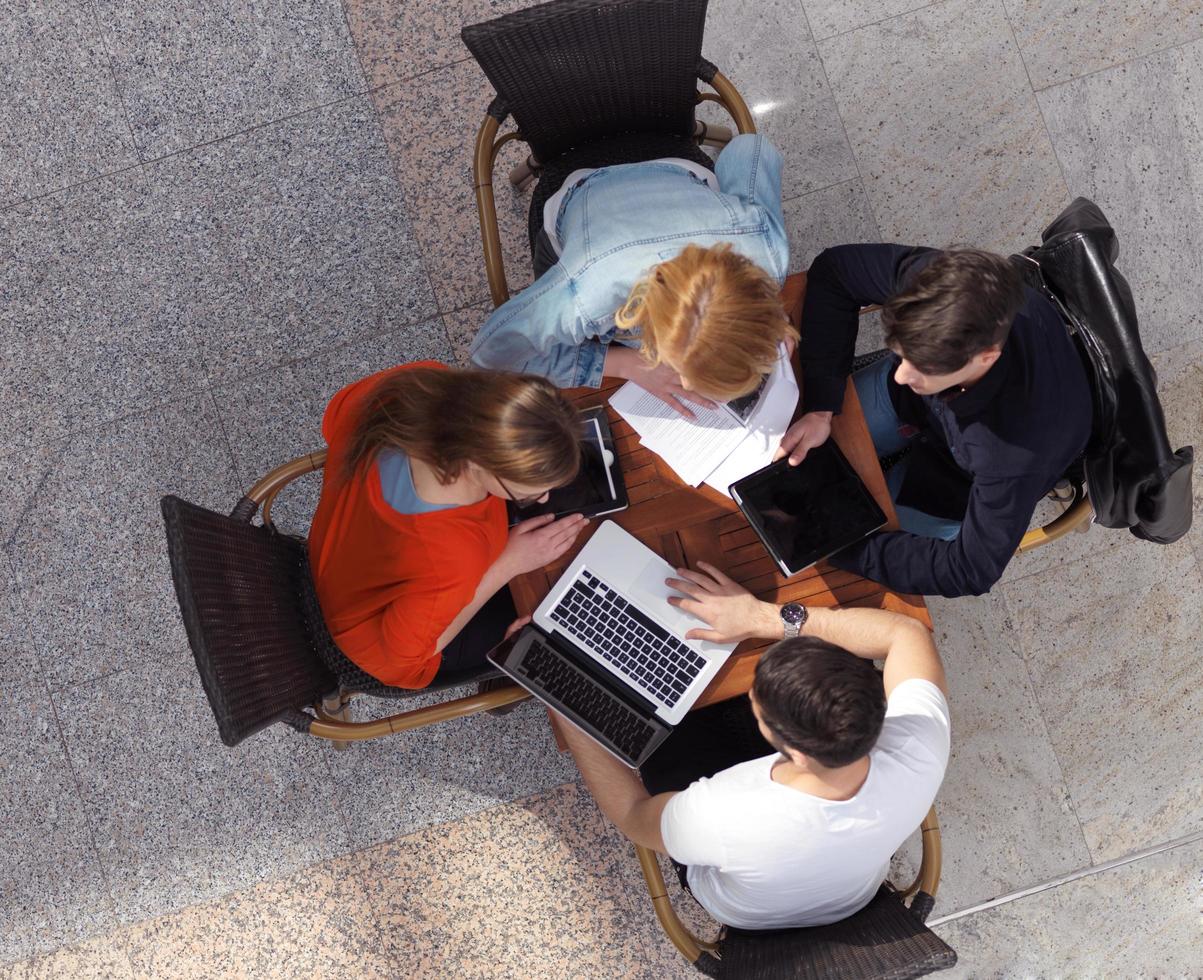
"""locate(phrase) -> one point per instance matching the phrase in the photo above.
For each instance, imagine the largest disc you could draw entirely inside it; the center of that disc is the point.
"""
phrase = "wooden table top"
(685, 524)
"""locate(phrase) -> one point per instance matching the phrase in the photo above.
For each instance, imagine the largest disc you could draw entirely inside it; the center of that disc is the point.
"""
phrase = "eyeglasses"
(520, 501)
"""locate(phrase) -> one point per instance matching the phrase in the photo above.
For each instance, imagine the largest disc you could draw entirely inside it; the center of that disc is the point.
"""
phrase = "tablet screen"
(807, 512)
(594, 491)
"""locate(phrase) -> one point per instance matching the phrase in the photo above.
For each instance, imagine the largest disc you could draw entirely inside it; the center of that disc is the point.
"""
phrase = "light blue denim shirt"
(614, 226)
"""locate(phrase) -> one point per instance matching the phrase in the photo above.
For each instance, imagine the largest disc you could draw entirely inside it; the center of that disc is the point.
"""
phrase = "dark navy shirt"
(1014, 433)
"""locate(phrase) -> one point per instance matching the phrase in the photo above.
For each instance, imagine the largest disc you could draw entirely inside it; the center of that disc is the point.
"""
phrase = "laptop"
(607, 651)
(808, 512)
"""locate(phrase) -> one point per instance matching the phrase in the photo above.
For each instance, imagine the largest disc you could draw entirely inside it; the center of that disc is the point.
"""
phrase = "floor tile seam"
(875, 23)
(398, 82)
(840, 116)
(1121, 64)
(94, 428)
(394, 169)
(243, 479)
(69, 187)
(819, 190)
(1078, 874)
(1073, 561)
(367, 82)
(1002, 7)
(1048, 735)
(117, 89)
(263, 124)
(86, 814)
(224, 384)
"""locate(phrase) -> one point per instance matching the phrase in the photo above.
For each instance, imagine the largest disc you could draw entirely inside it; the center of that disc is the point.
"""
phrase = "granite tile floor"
(214, 215)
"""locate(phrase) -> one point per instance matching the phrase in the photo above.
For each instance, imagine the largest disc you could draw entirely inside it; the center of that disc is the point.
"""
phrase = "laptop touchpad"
(650, 592)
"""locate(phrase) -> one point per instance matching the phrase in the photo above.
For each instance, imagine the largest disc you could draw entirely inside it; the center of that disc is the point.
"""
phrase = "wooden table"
(685, 524)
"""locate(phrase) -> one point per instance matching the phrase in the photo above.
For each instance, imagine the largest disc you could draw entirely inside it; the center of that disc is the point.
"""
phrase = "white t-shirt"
(762, 855)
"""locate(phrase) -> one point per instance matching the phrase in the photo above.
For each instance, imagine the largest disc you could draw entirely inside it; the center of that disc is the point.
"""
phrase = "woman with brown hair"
(409, 546)
(660, 272)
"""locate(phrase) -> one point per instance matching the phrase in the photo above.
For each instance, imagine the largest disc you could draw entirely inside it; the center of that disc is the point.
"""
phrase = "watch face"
(792, 613)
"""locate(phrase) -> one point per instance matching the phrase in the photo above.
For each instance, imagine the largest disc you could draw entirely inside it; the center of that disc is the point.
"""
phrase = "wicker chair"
(887, 939)
(592, 83)
(261, 648)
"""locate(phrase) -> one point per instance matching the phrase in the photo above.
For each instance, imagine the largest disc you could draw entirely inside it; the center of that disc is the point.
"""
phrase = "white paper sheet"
(715, 448)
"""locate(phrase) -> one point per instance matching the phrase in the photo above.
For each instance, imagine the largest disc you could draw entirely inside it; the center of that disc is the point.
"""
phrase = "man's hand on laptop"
(811, 430)
(730, 611)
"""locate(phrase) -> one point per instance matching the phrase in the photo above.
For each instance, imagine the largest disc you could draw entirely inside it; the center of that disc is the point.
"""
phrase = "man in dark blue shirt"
(984, 385)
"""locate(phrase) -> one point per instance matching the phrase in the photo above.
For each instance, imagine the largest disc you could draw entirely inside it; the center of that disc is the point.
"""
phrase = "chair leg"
(337, 707)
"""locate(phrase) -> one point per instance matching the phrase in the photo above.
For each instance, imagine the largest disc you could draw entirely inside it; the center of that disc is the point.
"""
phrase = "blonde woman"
(409, 547)
(660, 272)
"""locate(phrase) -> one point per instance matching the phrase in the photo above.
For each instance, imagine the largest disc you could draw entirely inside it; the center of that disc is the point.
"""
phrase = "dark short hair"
(959, 305)
(820, 700)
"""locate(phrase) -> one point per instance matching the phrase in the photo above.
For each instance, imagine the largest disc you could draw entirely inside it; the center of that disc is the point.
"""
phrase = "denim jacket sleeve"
(543, 331)
(749, 168)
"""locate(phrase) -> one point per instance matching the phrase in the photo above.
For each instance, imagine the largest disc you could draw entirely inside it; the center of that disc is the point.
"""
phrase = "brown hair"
(959, 305)
(820, 700)
(716, 311)
(514, 426)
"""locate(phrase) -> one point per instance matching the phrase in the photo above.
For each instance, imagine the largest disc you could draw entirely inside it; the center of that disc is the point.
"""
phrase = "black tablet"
(807, 512)
(598, 488)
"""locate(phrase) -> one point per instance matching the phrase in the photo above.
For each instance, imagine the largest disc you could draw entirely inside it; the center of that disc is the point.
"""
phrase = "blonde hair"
(514, 426)
(715, 312)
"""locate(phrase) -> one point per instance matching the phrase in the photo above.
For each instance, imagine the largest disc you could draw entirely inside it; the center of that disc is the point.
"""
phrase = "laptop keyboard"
(638, 648)
(592, 703)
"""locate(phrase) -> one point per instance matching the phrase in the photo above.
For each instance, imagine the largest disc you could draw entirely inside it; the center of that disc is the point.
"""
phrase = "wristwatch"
(793, 618)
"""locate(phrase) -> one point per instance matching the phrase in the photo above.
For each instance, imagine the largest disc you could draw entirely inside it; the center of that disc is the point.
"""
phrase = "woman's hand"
(730, 610)
(535, 542)
(811, 430)
(661, 380)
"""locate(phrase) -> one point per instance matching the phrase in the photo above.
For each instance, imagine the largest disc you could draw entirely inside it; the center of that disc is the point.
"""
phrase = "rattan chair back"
(883, 941)
(242, 592)
(573, 72)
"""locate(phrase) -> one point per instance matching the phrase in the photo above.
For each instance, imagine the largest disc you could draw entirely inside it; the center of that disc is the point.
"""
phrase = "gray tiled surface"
(834, 215)
(178, 817)
(1132, 140)
(950, 154)
(1005, 816)
(274, 265)
(392, 787)
(1063, 39)
(794, 108)
(1138, 920)
(55, 892)
(52, 54)
(82, 526)
(191, 71)
(274, 417)
(285, 254)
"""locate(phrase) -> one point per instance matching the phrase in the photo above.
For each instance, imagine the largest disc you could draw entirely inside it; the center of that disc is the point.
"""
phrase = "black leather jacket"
(1133, 477)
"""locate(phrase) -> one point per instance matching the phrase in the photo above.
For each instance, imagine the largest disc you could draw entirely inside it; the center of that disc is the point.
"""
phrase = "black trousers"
(465, 655)
(707, 741)
(543, 256)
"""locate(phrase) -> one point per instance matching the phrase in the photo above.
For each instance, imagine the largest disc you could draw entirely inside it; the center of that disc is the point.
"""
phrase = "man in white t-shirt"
(802, 836)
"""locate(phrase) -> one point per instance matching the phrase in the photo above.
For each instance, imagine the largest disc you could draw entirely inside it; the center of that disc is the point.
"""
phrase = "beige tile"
(835, 215)
(951, 151)
(541, 888)
(430, 126)
(1138, 920)
(1112, 645)
(1005, 814)
(1062, 39)
(314, 924)
(99, 959)
(461, 327)
(399, 40)
(830, 17)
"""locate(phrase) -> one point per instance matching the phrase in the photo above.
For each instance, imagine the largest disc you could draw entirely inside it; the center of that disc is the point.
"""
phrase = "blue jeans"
(872, 389)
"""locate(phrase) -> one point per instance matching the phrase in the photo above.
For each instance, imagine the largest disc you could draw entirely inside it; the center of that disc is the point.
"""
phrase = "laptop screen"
(806, 512)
